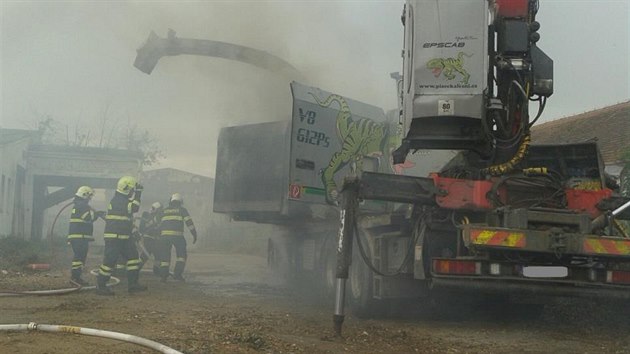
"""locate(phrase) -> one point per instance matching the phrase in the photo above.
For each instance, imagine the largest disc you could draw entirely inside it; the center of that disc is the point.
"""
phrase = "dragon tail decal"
(344, 117)
(461, 56)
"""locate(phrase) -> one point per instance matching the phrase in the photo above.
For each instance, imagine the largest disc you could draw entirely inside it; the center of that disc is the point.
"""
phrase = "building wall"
(72, 163)
(12, 165)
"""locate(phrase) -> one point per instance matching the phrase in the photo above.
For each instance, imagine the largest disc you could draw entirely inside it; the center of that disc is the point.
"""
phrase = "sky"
(73, 61)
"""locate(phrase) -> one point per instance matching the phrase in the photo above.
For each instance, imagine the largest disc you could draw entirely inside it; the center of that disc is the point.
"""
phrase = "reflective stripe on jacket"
(81, 220)
(173, 219)
(118, 222)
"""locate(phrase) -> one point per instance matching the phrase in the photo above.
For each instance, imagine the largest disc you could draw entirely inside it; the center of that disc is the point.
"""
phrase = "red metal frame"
(585, 201)
(462, 193)
(512, 8)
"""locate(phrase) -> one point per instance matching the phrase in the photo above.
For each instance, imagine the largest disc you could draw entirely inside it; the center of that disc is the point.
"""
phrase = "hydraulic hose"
(52, 229)
(503, 168)
(91, 332)
(114, 281)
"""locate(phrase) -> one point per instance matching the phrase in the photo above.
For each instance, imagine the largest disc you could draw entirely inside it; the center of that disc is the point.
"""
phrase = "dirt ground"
(232, 304)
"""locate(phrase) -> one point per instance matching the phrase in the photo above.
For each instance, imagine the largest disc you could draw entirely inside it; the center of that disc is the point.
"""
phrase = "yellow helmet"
(85, 192)
(126, 184)
(156, 205)
(177, 198)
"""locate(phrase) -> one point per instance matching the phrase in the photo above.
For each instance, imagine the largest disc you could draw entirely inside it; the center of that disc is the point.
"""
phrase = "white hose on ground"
(91, 332)
(114, 281)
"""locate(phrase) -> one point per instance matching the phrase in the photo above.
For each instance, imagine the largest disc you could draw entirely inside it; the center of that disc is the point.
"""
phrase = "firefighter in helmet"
(172, 222)
(118, 233)
(80, 232)
(150, 231)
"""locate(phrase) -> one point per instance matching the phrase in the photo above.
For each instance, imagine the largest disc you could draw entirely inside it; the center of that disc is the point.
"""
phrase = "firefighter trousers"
(166, 244)
(124, 248)
(80, 250)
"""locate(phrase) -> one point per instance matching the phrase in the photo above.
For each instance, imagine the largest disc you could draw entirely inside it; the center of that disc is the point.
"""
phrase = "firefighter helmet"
(126, 185)
(177, 198)
(84, 192)
(156, 206)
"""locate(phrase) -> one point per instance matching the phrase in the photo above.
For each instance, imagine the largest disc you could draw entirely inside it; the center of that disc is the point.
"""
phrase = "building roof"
(12, 135)
(610, 126)
(175, 175)
(84, 150)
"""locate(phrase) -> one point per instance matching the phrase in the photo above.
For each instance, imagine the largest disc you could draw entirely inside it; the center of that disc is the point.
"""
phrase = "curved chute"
(155, 48)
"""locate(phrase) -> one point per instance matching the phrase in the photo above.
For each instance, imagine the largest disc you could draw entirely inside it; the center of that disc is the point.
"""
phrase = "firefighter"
(80, 232)
(149, 228)
(118, 232)
(172, 223)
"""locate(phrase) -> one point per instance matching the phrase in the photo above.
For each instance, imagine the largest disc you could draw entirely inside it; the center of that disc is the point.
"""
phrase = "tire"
(360, 284)
(278, 258)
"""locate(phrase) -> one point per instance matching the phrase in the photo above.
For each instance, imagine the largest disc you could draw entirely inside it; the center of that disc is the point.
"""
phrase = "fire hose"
(91, 332)
(52, 228)
(114, 281)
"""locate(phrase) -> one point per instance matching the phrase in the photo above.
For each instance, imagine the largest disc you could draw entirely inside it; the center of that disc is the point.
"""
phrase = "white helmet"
(156, 205)
(177, 198)
(84, 192)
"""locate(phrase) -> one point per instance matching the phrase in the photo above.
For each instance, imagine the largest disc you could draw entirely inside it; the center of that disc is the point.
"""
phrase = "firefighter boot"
(132, 281)
(101, 286)
(76, 278)
(164, 273)
(178, 271)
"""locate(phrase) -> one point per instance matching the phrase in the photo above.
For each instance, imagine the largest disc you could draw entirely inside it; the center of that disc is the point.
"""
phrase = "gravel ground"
(231, 304)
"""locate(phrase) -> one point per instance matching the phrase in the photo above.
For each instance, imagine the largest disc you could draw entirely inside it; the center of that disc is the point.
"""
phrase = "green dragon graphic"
(359, 138)
(624, 190)
(449, 66)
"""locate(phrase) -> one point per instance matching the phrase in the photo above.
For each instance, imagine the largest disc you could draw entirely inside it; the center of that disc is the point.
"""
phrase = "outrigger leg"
(349, 204)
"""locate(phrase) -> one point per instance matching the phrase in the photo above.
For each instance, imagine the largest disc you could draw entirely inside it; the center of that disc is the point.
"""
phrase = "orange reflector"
(445, 266)
(618, 277)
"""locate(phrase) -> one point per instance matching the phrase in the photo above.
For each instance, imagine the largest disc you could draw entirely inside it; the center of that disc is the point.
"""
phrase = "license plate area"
(545, 272)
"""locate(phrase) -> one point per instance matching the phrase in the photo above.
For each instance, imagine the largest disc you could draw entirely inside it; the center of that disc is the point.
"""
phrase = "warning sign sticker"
(295, 191)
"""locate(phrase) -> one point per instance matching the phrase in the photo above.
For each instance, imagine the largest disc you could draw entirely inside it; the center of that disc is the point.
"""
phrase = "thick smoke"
(81, 56)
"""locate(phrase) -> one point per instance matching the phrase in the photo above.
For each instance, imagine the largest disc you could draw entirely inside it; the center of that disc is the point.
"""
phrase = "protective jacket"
(149, 224)
(81, 220)
(119, 216)
(173, 219)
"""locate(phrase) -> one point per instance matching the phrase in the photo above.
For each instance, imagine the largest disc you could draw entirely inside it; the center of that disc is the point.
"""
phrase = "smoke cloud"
(73, 61)
(81, 55)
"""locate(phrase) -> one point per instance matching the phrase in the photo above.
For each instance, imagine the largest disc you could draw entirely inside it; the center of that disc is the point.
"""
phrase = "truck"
(287, 174)
(504, 216)
(444, 195)
(499, 216)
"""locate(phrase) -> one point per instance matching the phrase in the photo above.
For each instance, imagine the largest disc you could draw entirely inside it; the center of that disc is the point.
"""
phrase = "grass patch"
(16, 252)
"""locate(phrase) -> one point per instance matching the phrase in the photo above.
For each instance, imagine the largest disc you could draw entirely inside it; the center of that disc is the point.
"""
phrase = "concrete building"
(54, 173)
(14, 144)
(35, 178)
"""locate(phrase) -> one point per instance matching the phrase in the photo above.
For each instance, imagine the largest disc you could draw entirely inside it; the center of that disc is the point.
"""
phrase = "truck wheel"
(362, 304)
(278, 251)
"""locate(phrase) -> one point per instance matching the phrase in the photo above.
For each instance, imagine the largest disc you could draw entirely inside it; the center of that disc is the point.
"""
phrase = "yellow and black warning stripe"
(498, 238)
